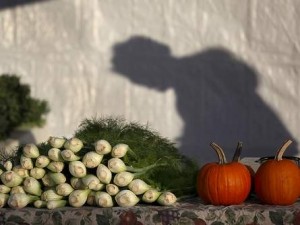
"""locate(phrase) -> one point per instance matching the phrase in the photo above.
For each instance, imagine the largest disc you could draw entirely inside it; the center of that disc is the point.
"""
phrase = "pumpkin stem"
(282, 149)
(220, 153)
(238, 151)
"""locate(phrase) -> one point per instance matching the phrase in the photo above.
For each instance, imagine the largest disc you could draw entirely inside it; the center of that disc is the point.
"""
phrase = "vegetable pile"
(106, 163)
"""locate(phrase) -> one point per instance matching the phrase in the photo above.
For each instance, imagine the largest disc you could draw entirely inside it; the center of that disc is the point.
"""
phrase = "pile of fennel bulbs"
(106, 163)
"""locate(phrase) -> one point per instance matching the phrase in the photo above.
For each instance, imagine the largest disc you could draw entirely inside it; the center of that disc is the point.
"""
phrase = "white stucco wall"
(197, 71)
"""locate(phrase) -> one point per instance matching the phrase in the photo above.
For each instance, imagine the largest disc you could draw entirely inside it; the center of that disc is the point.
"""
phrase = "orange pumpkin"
(277, 181)
(223, 183)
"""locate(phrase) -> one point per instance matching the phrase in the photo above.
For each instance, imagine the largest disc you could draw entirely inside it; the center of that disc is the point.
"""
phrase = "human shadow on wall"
(216, 98)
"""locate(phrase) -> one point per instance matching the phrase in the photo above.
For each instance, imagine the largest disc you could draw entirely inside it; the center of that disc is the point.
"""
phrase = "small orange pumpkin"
(277, 181)
(223, 183)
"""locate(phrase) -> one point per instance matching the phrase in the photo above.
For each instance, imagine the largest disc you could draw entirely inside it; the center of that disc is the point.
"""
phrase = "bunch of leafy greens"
(17, 107)
(173, 171)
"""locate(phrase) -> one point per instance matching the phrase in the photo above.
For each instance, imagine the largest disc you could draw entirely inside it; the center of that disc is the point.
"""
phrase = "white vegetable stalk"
(78, 197)
(42, 161)
(37, 173)
(32, 186)
(4, 189)
(138, 186)
(56, 167)
(58, 178)
(98, 187)
(166, 198)
(104, 174)
(119, 150)
(76, 183)
(103, 199)
(116, 165)
(17, 189)
(77, 169)
(91, 181)
(21, 171)
(1, 171)
(8, 165)
(55, 155)
(26, 162)
(64, 189)
(102, 147)
(54, 204)
(57, 142)
(126, 198)
(20, 200)
(151, 195)
(92, 159)
(112, 189)
(47, 181)
(122, 179)
(11, 179)
(69, 156)
(50, 195)
(91, 199)
(40, 204)
(3, 199)
(74, 144)
(31, 151)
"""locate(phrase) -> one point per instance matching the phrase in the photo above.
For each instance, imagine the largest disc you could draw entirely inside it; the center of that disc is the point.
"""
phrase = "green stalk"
(138, 186)
(32, 186)
(55, 155)
(78, 197)
(102, 147)
(42, 161)
(11, 179)
(112, 189)
(56, 167)
(21, 171)
(3, 199)
(37, 173)
(151, 195)
(20, 200)
(69, 155)
(57, 142)
(77, 169)
(104, 174)
(8, 165)
(166, 198)
(4, 189)
(31, 151)
(103, 199)
(92, 159)
(126, 198)
(50, 195)
(40, 204)
(17, 189)
(64, 189)
(54, 204)
(74, 144)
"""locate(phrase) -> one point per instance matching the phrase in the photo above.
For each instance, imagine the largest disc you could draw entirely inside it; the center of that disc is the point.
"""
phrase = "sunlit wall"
(196, 71)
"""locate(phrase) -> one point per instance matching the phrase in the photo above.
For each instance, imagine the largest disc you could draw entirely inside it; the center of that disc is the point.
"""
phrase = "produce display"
(106, 163)
(109, 163)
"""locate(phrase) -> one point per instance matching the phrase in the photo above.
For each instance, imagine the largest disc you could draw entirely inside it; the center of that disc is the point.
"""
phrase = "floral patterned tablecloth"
(187, 212)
